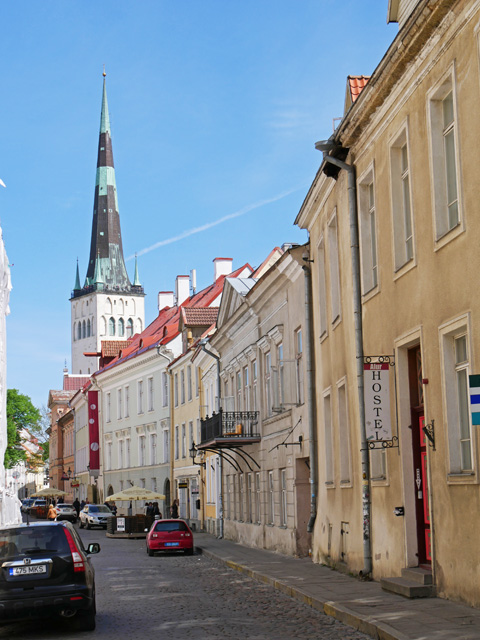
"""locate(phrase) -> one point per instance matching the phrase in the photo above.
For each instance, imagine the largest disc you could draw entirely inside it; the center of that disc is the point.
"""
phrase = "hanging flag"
(474, 382)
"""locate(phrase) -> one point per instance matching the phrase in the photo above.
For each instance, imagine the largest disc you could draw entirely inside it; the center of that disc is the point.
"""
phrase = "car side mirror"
(93, 547)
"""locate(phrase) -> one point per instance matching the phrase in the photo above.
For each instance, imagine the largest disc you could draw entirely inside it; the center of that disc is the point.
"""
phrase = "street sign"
(120, 524)
(377, 401)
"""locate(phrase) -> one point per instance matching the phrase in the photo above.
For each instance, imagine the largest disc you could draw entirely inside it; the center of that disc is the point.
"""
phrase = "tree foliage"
(21, 414)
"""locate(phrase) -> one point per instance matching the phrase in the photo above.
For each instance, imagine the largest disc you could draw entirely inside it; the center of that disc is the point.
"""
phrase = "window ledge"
(405, 268)
(449, 236)
(467, 477)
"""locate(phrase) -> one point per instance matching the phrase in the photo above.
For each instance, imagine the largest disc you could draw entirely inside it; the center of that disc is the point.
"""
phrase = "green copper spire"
(136, 280)
(104, 117)
(77, 286)
(97, 276)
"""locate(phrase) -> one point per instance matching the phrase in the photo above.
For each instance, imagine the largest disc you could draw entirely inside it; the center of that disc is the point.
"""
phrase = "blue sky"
(215, 108)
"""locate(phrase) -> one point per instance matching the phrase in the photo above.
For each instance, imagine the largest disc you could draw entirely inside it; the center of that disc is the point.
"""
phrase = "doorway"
(419, 456)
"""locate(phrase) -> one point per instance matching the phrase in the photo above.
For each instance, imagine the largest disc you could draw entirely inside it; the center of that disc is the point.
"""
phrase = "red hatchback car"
(170, 535)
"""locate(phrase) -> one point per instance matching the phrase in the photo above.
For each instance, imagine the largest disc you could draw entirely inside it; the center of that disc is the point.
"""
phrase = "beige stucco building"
(408, 140)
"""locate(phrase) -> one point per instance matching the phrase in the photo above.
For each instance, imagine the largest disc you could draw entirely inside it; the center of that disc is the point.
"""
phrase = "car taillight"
(187, 535)
(78, 563)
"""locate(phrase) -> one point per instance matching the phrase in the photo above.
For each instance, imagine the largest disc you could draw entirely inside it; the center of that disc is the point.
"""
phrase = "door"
(419, 451)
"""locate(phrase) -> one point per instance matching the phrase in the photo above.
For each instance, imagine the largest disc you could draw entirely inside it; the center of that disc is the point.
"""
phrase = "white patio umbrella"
(135, 493)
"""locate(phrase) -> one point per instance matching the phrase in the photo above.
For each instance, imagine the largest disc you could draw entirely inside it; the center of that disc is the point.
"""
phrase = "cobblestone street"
(182, 597)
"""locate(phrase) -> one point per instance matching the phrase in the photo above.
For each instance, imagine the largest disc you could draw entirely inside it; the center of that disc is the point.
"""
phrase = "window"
(229, 498)
(258, 498)
(456, 389)
(182, 386)
(176, 443)
(334, 267)
(84, 329)
(166, 445)
(129, 328)
(175, 389)
(184, 441)
(190, 433)
(121, 327)
(268, 384)
(127, 402)
(246, 390)
(322, 287)
(108, 416)
(368, 232)
(254, 385)
(108, 461)
(111, 326)
(79, 333)
(88, 328)
(127, 453)
(189, 383)
(250, 496)
(270, 499)
(150, 395)
(140, 396)
(238, 377)
(328, 436)
(299, 366)
(283, 497)
(153, 448)
(281, 376)
(241, 484)
(197, 382)
(401, 202)
(141, 451)
(164, 389)
(119, 404)
(444, 142)
(343, 434)
(120, 454)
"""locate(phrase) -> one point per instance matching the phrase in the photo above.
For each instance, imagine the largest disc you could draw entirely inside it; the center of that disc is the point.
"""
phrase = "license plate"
(28, 570)
(172, 544)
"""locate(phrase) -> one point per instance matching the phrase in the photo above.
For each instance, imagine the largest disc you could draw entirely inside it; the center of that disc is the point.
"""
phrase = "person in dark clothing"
(174, 509)
(77, 506)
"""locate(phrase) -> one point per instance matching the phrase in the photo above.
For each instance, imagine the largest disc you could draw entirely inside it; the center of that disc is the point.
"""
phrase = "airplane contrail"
(209, 225)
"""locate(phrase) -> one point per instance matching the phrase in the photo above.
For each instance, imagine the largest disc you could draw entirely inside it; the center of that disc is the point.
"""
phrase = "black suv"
(45, 569)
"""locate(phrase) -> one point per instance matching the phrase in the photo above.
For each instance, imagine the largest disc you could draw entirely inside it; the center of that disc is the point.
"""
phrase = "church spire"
(136, 280)
(106, 244)
(77, 286)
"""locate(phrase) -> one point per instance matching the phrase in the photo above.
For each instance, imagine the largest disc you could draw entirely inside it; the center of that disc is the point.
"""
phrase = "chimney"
(182, 289)
(222, 267)
(165, 299)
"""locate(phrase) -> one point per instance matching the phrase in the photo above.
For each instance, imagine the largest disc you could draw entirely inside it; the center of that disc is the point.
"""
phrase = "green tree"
(21, 414)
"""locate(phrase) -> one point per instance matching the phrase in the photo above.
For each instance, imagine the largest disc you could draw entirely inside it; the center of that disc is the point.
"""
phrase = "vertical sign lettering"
(377, 401)
(93, 430)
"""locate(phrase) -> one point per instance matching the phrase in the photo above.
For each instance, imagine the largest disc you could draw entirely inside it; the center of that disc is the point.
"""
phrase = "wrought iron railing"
(136, 289)
(230, 424)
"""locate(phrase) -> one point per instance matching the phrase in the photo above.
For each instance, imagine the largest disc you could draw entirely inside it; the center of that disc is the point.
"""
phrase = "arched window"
(84, 329)
(111, 327)
(120, 308)
(129, 328)
(139, 326)
(121, 327)
(79, 331)
(108, 306)
(88, 328)
(74, 331)
(103, 326)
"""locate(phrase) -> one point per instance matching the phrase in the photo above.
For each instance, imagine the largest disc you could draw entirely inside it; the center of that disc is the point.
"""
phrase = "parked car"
(26, 502)
(45, 570)
(66, 512)
(94, 515)
(170, 535)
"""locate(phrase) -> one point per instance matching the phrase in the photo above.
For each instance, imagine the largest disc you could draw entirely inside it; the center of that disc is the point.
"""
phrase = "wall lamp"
(193, 454)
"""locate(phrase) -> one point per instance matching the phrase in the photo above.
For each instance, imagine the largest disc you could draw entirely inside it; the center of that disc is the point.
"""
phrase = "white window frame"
(153, 448)
(165, 389)
(140, 396)
(322, 287)
(283, 497)
(108, 407)
(328, 438)
(343, 433)
(402, 201)
(127, 401)
(447, 225)
(452, 402)
(119, 404)
(368, 230)
(270, 498)
(334, 269)
(150, 394)
(189, 383)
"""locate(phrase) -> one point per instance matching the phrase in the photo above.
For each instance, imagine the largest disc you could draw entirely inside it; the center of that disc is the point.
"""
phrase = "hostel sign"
(377, 401)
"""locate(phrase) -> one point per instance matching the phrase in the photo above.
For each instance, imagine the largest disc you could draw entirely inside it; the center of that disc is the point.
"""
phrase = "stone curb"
(368, 625)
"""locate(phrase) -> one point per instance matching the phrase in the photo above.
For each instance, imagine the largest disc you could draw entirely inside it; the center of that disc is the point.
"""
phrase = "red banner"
(93, 430)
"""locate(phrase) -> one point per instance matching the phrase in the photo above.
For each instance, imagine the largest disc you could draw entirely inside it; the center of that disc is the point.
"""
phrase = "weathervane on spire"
(104, 72)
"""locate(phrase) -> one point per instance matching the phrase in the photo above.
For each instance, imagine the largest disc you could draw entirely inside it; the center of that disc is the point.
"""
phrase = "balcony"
(229, 429)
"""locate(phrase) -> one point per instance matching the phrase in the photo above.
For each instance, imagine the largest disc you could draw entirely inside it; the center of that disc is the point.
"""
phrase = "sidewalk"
(363, 605)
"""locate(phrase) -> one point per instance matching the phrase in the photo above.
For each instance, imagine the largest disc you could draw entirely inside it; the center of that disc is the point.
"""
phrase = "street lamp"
(193, 453)
(66, 475)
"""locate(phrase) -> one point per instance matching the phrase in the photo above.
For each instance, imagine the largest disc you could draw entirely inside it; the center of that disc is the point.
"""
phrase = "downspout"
(310, 397)
(220, 460)
(357, 310)
(172, 435)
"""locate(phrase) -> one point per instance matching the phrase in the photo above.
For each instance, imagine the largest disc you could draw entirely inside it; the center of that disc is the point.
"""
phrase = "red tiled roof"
(356, 84)
(199, 316)
(113, 347)
(165, 326)
(73, 383)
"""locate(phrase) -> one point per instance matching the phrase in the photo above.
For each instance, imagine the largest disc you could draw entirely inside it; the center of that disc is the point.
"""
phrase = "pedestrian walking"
(52, 512)
(174, 509)
(77, 506)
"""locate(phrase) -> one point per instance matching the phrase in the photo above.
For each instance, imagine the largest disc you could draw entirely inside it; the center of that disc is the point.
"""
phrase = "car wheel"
(86, 619)
(81, 524)
(189, 552)
(150, 551)
(88, 525)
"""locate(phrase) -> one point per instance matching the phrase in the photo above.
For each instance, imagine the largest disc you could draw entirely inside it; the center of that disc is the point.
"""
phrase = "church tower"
(108, 308)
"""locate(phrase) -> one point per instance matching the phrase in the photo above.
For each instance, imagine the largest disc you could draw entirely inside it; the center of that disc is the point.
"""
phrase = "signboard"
(93, 431)
(377, 401)
(183, 485)
(120, 524)
(474, 395)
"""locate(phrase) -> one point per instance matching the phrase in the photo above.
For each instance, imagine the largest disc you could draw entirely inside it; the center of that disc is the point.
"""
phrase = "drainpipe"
(203, 344)
(161, 352)
(310, 396)
(357, 310)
